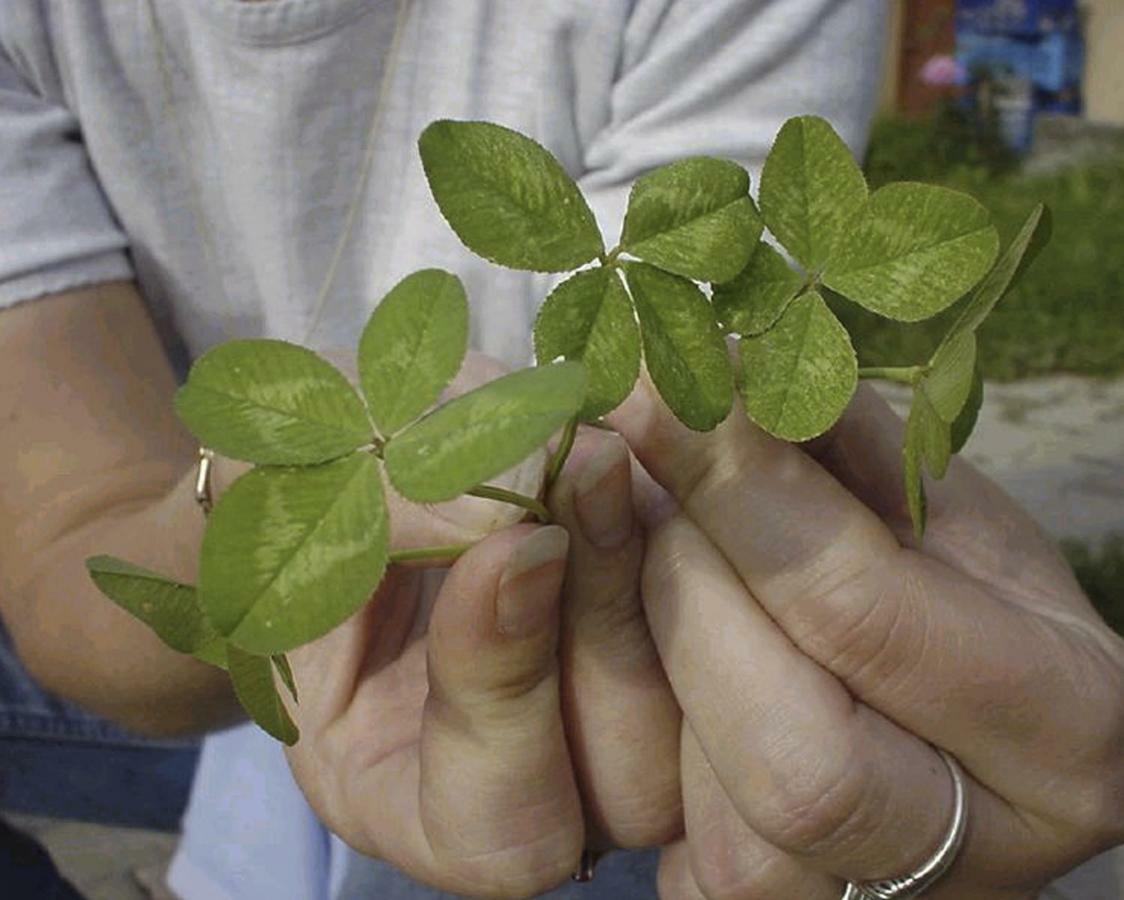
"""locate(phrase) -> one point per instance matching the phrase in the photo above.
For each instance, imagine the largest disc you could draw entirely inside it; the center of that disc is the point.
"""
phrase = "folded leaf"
(693, 217)
(755, 299)
(928, 445)
(965, 422)
(811, 188)
(914, 250)
(588, 318)
(799, 375)
(949, 379)
(482, 434)
(1032, 237)
(252, 678)
(272, 403)
(285, 673)
(412, 347)
(683, 348)
(169, 608)
(507, 198)
(288, 554)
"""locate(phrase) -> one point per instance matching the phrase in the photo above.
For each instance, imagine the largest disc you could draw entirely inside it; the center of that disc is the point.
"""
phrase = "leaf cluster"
(299, 543)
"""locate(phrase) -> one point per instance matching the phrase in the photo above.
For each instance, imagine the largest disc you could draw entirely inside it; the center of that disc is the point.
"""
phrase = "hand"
(445, 737)
(819, 657)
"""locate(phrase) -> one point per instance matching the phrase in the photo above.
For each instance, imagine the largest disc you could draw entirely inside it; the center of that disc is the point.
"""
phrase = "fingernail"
(528, 591)
(603, 497)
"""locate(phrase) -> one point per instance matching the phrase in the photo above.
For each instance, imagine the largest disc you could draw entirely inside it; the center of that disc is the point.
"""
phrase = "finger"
(484, 802)
(899, 628)
(726, 857)
(973, 526)
(812, 772)
(492, 736)
(622, 720)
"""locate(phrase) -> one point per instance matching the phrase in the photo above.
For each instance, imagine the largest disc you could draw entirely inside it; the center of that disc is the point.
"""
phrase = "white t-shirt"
(218, 172)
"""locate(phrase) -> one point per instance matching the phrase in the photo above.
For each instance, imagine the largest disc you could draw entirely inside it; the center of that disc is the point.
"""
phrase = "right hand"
(480, 742)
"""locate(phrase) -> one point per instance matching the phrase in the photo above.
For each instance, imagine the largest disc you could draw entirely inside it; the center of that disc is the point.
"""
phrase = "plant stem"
(491, 492)
(417, 554)
(561, 454)
(903, 374)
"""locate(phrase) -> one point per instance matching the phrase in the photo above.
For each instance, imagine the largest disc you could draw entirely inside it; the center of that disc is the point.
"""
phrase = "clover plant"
(300, 542)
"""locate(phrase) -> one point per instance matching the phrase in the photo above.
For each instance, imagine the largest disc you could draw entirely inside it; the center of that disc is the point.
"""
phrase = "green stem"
(903, 374)
(491, 492)
(561, 454)
(416, 554)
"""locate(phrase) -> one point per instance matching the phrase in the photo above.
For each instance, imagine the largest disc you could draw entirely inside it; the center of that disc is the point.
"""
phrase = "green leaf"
(930, 432)
(273, 403)
(252, 678)
(965, 422)
(482, 434)
(683, 348)
(914, 486)
(169, 608)
(285, 673)
(1032, 237)
(913, 250)
(507, 198)
(927, 445)
(752, 302)
(412, 347)
(811, 189)
(949, 379)
(801, 374)
(693, 217)
(588, 318)
(288, 554)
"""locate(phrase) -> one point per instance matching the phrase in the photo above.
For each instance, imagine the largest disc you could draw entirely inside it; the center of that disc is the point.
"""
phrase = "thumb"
(492, 736)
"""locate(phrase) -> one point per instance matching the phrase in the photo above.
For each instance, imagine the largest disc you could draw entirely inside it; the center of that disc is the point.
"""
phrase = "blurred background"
(1016, 102)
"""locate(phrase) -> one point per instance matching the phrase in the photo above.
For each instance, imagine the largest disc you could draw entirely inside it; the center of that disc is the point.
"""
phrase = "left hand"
(819, 658)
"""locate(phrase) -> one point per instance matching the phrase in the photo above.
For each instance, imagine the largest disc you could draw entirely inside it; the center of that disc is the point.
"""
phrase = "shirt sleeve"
(56, 228)
(720, 77)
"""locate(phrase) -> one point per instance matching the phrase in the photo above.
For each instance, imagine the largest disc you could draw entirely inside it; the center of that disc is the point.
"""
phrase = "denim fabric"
(59, 760)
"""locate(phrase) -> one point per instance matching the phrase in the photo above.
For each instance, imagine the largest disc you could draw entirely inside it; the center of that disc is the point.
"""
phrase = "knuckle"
(815, 815)
(872, 630)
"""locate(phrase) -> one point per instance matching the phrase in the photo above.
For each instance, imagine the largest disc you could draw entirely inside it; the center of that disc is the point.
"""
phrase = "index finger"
(931, 648)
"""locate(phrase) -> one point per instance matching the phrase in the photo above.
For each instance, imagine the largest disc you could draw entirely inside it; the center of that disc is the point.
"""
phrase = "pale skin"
(815, 654)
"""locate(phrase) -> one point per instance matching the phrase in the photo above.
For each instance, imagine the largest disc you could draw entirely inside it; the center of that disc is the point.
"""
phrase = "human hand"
(444, 736)
(819, 657)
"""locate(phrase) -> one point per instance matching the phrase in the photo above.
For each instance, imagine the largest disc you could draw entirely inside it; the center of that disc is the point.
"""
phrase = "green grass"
(1101, 573)
(1067, 315)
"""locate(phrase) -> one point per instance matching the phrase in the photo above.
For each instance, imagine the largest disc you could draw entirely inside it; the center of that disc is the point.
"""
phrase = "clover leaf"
(588, 318)
(799, 376)
(412, 347)
(507, 198)
(290, 553)
(274, 403)
(693, 218)
(811, 189)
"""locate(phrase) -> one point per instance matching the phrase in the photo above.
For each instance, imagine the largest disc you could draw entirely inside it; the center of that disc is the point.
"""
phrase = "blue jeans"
(58, 760)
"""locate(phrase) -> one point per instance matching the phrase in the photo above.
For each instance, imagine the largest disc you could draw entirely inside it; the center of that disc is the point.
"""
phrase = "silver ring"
(917, 882)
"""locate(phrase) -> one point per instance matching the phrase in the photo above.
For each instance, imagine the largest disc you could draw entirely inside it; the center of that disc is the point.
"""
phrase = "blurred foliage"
(1101, 573)
(949, 143)
(1067, 314)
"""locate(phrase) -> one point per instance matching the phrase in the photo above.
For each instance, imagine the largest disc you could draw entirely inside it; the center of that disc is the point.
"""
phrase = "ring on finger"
(925, 876)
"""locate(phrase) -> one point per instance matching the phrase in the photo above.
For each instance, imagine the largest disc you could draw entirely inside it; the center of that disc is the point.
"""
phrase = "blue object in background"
(1017, 18)
(1022, 57)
